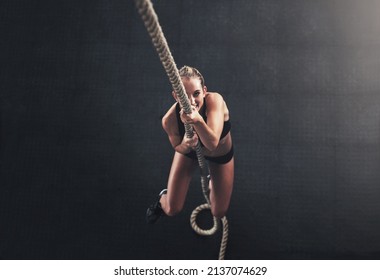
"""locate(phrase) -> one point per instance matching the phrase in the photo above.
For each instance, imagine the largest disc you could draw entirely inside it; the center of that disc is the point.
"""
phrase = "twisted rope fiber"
(150, 19)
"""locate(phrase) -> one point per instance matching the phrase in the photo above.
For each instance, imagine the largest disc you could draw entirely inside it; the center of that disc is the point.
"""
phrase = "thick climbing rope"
(150, 19)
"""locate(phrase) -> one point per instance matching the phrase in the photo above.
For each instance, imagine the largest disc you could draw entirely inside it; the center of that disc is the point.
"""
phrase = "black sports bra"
(181, 126)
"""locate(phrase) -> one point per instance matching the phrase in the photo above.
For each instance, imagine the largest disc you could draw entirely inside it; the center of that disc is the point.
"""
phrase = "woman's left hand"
(192, 118)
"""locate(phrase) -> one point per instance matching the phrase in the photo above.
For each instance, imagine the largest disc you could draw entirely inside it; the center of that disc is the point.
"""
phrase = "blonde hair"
(191, 72)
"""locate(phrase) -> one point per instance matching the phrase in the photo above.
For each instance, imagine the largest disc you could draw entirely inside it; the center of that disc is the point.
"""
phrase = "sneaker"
(154, 212)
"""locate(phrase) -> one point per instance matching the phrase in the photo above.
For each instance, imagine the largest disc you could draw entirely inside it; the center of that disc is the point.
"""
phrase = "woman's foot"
(154, 211)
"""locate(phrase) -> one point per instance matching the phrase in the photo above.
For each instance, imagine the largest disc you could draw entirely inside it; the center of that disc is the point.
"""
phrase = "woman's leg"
(221, 185)
(180, 176)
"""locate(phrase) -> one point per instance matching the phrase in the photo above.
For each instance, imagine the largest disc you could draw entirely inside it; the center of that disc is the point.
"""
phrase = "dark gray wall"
(83, 153)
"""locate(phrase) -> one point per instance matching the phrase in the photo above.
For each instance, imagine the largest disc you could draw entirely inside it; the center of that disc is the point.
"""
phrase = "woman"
(210, 121)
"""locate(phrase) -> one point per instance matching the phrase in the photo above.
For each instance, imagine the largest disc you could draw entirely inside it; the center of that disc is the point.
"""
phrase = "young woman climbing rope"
(210, 120)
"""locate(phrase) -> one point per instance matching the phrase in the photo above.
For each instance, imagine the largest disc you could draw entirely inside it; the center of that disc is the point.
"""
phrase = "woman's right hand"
(190, 143)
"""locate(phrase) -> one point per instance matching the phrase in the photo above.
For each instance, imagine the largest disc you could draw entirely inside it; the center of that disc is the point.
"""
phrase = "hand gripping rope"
(150, 19)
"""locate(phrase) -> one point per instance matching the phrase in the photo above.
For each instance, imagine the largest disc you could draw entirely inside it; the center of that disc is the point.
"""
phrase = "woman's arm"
(209, 133)
(181, 145)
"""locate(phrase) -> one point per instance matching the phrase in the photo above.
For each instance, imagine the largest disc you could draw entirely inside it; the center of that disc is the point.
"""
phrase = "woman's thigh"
(221, 185)
(180, 176)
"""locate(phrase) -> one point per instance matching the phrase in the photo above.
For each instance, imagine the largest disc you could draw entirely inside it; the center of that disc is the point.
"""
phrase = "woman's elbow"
(164, 122)
(212, 145)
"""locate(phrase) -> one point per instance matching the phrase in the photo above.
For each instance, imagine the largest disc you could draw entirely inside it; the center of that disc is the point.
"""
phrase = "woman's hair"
(191, 72)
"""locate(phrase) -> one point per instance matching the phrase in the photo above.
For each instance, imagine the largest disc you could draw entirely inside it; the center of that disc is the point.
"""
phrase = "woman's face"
(195, 92)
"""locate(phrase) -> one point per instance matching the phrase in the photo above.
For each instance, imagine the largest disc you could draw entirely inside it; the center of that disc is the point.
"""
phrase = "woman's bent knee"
(172, 210)
(218, 212)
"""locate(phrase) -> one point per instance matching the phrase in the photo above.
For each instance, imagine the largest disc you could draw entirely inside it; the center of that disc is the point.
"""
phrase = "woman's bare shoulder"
(170, 118)
(214, 95)
(214, 98)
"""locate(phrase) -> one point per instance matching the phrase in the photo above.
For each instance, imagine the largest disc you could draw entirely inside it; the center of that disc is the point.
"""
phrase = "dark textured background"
(83, 153)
